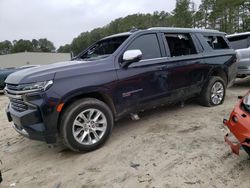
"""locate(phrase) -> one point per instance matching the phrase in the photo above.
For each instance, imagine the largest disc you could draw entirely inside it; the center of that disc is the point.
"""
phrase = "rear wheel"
(86, 125)
(214, 92)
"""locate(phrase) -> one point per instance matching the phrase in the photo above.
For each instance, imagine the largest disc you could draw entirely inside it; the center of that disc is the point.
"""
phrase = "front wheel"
(86, 125)
(214, 92)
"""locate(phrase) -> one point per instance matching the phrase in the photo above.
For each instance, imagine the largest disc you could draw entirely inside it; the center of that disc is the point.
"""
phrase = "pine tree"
(182, 14)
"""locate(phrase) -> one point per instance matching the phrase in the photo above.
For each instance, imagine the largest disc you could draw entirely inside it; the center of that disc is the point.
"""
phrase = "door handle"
(163, 67)
(195, 62)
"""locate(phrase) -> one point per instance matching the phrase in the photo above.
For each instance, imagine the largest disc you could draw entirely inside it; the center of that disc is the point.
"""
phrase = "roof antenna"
(133, 29)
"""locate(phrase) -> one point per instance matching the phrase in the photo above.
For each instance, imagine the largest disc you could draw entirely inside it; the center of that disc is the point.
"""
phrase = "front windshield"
(103, 48)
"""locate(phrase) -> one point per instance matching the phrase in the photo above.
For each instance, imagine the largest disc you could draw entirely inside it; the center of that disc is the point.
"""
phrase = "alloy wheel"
(89, 126)
(217, 93)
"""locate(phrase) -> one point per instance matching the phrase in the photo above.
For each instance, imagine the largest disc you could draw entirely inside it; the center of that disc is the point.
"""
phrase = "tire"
(210, 90)
(86, 125)
(247, 149)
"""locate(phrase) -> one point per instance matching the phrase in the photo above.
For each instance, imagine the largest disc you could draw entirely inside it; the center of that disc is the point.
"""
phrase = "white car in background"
(241, 43)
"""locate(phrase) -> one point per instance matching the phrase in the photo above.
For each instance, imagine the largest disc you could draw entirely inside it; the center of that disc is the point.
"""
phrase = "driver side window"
(148, 44)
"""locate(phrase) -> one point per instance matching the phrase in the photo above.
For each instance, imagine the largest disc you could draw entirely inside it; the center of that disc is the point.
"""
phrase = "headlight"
(246, 102)
(38, 86)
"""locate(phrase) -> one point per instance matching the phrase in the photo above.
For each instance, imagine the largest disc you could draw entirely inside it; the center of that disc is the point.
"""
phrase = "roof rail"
(176, 29)
(133, 29)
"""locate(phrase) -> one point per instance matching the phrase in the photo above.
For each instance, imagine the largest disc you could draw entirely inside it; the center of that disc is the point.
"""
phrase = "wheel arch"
(95, 95)
(220, 72)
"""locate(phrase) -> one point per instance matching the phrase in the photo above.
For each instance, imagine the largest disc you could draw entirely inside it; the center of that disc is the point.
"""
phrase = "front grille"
(18, 105)
(16, 100)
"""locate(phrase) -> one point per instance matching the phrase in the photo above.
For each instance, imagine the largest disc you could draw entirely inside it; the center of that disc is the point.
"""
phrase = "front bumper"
(36, 121)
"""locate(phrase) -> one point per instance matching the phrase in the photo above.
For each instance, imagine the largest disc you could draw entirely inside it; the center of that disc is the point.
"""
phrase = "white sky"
(61, 20)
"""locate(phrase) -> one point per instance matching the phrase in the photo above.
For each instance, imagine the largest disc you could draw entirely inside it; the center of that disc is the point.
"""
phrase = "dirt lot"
(168, 147)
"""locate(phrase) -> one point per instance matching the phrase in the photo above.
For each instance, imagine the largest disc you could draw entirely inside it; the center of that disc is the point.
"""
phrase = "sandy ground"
(168, 147)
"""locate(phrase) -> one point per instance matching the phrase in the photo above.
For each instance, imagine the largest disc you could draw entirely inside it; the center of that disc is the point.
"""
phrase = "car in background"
(241, 43)
(4, 73)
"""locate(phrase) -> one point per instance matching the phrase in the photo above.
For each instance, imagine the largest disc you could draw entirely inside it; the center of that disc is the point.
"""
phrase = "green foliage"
(182, 15)
(41, 45)
(229, 16)
(5, 47)
(140, 21)
(64, 49)
(22, 46)
(45, 45)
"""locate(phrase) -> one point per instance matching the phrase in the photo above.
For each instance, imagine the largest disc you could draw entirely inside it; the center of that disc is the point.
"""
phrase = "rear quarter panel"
(219, 59)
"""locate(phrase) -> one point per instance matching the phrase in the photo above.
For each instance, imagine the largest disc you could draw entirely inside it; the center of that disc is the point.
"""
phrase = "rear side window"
(239, 42)
(216, 42)
(148, 44)
(180, 44)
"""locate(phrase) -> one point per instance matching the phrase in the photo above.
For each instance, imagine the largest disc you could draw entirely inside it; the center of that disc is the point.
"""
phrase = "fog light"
(235, 119)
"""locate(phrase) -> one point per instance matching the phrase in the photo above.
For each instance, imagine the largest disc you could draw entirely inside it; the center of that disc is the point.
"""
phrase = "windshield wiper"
(95, 58)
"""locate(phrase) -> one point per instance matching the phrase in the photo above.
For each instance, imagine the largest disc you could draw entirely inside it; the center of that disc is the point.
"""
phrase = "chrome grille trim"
(18, 104)
(16, 92)
(12, 87)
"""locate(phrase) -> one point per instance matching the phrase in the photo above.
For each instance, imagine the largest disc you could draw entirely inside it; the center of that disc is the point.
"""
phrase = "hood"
(48, 72)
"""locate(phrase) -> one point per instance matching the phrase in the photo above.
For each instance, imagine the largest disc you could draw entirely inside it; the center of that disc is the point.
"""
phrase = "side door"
(144, 81)
(186, 67)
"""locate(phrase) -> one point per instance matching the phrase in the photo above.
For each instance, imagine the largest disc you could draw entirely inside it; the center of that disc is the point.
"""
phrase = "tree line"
(229, 16)
(40, 45)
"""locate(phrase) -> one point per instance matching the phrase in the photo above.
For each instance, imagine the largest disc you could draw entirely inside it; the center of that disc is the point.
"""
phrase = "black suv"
(117, 76)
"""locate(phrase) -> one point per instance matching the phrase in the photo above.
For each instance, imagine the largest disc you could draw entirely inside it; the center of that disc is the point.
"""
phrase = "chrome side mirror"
(131, 56)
